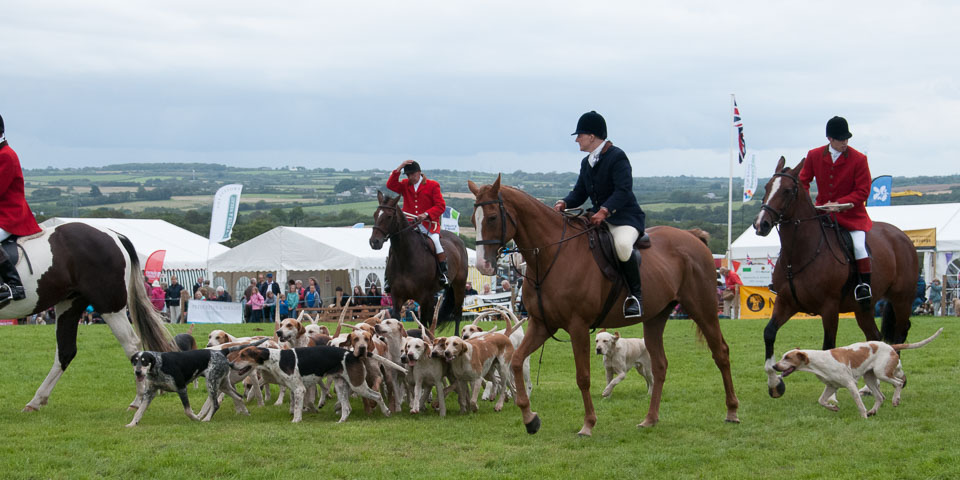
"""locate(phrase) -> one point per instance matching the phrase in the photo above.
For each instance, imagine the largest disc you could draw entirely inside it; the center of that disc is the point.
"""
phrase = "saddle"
(604, 253)
(10, 247)
(846, 241)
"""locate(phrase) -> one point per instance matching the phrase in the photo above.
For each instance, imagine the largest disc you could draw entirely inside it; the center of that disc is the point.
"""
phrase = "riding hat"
(593, 123)
(413, 167)
(1, 125)
(837, 128)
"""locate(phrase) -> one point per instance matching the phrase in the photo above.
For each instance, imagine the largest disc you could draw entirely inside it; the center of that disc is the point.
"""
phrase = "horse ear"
(473, 187)
(799, 166)
(379, 196)
(780, 164)
(394, 200)
(496, 185)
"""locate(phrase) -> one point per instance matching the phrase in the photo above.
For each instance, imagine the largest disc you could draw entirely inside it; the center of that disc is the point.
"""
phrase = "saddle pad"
(601, 245)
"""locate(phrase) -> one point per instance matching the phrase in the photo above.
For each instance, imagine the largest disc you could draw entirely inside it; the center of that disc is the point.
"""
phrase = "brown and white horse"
(73, 265)
(564, 289)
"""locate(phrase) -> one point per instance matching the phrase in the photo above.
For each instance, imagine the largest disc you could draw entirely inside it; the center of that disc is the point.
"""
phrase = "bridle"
(400, 229)
(503, 225)
(778, 214)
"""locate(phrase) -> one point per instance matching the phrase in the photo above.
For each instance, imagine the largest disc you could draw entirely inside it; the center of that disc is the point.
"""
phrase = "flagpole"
(730, 187)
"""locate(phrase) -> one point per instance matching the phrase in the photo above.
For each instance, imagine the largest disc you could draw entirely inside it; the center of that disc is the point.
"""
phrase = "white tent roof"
(305, 249)
(945, 217)
(185, 249)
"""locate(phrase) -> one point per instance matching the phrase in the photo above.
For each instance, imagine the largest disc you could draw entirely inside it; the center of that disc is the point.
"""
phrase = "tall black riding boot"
(10, 286)
(862, 292)
(442, 262)
(633, 305)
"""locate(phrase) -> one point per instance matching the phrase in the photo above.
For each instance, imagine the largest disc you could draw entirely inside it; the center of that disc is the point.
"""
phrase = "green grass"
(367, 207)
(80, 434)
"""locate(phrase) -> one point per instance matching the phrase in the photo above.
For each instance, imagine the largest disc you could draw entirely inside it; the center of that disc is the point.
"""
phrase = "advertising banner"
(202, 311)
(757, 302)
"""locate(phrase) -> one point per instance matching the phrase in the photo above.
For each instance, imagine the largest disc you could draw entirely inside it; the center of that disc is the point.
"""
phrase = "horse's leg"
(781, 313)
(127, 337)
(580, 342)
(653, 338)
(721, 356)
(532, 340)
(867, 324)
(68, 320)
(830, 315)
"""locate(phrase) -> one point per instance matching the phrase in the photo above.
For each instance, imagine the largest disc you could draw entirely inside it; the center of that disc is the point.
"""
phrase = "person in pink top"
(255, 300)
(157, 296)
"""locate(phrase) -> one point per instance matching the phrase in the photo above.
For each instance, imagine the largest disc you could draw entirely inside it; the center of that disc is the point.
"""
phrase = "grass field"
(80, 434)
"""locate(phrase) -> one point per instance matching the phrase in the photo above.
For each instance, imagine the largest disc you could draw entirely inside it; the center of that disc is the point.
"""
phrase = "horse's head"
(779, 201)
(490, 219)
(387, 220)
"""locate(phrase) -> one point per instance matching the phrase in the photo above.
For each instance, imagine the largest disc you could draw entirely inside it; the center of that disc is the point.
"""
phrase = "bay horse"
(565, 289)
(412, 266)
(814, 275)
(73, 265)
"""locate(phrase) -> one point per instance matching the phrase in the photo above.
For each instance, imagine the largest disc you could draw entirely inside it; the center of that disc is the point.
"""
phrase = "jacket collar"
(606, 146)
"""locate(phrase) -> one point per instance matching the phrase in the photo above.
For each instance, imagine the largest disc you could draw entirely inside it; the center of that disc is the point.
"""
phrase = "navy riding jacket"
(609, 184)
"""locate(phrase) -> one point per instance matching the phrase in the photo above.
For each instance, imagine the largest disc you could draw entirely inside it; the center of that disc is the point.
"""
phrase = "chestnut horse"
(74, 265)
(565, 289)
(814, 275)
(412, 270)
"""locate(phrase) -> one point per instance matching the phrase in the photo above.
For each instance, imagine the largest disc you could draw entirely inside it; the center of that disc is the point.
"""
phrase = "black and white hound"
(173, 371)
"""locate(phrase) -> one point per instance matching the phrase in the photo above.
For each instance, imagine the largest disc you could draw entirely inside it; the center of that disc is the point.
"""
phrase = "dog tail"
(389, 363)
(907, 346)
(149, 324)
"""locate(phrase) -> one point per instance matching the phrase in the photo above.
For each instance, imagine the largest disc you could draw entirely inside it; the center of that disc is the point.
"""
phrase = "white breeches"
(4, 234)
(859, 238)
(433, 236)
(624, 236)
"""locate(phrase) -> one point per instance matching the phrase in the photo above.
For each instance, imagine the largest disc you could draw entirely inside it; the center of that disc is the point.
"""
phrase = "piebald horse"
(813, 275)
(73, 265)
(564, 289)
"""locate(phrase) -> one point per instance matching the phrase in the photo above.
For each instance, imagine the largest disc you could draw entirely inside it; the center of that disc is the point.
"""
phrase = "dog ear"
(262, 355)
(616, 336)
(803, 358)
(301, 330)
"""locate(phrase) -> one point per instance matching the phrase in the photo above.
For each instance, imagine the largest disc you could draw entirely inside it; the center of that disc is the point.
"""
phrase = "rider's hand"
(559, 206)
(600, 216)
(831, 207)
(422, 217)
(404, 164)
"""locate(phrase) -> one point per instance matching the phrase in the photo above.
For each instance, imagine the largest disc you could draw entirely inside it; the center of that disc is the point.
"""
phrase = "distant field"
(659, 207)
(359, 207)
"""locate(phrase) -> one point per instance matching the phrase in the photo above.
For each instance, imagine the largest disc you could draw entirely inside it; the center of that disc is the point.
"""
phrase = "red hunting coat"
(15, 214)
(846, 181)
(428, 198)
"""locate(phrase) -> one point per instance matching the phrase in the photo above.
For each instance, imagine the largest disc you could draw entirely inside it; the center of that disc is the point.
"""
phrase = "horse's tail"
(703, 235)
(148, 322)
(448, 309)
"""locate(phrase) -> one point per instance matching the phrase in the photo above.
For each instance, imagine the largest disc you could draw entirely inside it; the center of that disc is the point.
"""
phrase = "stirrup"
(862, 292)
(631, 301)
(6, 292)
(443, 279)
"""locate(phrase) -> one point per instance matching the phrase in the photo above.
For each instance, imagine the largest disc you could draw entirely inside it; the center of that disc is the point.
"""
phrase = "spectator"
(255, 300)
(470, 290)
(936, 293)
(486, 289)
(409, 309)
(373, 296)
(173, 299)
(301, 293)
(344, 298)
(157, 296)
(731, 294)
(357, 297)
(269, 285)
(386, 301)
(293, 299)
(208, 291)
(312, 298)
(921, 295)
(505, 285)
(269, 304)
(222, 295)
(282, 303)
(198, 285)
(261, 284)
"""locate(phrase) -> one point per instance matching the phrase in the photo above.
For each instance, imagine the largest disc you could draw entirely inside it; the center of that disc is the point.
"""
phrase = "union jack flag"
(738, 122)
(749, 261)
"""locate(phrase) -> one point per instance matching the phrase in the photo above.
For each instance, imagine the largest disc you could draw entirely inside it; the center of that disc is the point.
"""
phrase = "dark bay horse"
(813, 274)
(565, 289)
(412, 266)
(73, 265)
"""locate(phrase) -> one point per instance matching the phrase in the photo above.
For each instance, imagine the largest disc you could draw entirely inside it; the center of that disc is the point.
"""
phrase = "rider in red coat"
(843, 176)
(422, 199)
(16, 219)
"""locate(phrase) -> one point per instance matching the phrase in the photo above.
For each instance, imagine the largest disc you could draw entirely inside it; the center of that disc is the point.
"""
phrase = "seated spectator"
(373, 296)
(470, 290)
(222, 295)
(386, 301)
(344, 298)
(409, 309)
(358, 296)
(505, 286)
(486, 289)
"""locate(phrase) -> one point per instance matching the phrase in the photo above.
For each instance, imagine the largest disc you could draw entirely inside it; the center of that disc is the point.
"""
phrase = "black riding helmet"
(411, 168)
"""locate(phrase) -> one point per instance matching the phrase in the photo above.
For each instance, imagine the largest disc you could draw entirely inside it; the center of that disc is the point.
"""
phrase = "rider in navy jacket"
(606, 178)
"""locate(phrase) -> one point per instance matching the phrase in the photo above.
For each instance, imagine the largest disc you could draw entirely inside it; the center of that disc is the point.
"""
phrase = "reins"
(400, 229)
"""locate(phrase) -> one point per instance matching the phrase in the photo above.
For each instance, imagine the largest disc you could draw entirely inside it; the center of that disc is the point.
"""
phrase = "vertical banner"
(225, 207)
(880, 191)
(154, 265)
(750, 179)
(450, 220)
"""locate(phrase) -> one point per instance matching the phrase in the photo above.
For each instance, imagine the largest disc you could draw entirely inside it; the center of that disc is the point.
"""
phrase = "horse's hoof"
(28, 408)
(582, 434)
(732, 419)
(534, 425)
(777, 392)
(646, 424)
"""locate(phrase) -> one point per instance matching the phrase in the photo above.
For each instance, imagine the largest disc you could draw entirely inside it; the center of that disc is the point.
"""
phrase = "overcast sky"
(492, 85)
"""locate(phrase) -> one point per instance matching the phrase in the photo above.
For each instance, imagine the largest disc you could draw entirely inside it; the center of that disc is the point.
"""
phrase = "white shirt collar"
(595, 155)
(417, 185)
(834, 154)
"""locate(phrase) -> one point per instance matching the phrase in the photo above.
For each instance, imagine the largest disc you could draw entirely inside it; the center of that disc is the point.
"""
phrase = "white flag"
(225, 206)
(750, 179)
